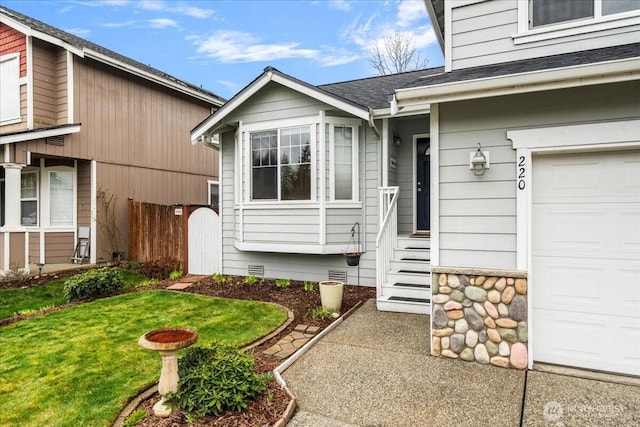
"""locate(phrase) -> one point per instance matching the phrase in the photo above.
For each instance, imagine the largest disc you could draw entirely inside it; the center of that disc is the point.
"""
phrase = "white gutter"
(36, 134)
(574, 76)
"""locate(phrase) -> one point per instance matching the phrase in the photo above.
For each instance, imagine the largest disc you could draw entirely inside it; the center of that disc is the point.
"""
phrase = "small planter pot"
(353, 259)
(331, 295)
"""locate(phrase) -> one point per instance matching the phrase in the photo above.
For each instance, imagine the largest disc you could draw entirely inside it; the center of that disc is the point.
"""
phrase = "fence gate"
(204, 242)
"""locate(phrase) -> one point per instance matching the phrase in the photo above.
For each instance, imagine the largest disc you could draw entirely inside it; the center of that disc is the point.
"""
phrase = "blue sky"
(224, 45)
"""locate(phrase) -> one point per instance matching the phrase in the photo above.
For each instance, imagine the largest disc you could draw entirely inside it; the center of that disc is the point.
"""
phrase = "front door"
(423, 156)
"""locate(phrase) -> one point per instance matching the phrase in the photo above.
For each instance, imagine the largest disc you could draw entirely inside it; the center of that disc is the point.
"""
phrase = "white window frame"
(10, 88)
(354, 124)
(36, 172)
(248, 129)
(211, 183)
(599, 22)
(46, 198)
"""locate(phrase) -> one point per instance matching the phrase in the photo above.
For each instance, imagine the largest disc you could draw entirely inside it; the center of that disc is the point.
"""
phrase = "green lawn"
(13, 301)
(79, 367)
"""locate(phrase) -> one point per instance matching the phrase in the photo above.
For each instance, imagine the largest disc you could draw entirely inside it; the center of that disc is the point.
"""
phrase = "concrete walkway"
(374, 370)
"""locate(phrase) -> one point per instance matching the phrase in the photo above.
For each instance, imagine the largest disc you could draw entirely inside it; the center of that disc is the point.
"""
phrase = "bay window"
(281, 164)
(343, 152)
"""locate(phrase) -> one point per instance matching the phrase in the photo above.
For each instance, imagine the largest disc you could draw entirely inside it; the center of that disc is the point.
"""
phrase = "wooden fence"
(155, 232)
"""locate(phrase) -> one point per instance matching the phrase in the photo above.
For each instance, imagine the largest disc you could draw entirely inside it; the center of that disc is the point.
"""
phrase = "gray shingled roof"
(584, 57)
(80, 43)
(375, 92)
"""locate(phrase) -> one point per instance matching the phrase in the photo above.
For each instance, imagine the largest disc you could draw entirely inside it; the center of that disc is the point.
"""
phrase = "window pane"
(610, 7)
(29, 212)
(295, 182)
(61, 198)
(264, 183)
(553, 11)
(343, 168)
(29, 185)
(214, 195)
(10, 89)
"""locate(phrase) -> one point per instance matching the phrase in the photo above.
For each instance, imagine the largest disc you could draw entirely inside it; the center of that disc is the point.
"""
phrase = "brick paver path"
(292, 342)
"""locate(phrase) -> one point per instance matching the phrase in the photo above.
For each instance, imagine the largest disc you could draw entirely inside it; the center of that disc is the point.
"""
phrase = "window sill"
(577, 27)
(12, 121)
(290, 248)
(279, 205)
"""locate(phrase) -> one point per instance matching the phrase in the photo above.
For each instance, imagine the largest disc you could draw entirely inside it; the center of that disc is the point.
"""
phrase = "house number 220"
(521, 173)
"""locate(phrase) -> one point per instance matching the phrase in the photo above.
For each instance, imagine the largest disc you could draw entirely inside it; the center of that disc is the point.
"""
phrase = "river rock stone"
(467, 302)
(444, 342)
(482, 336)
(455, 314)
(442, 279)
(491, 310)
(500, 361)
(522, 332)
(493, 335)
(464, 280)
(508, 334)
(504, 349)
(510, 281)
(518, 358)
(488, 283)
(445, 290)
(475, 293)
(457, 295)
(467, 354)
(505, 322)
(479, 280)
(481, 354)
(435, 346)
(457, 343)
(471, 339)
(479, 309)
(500, 284)
(494, 296)
(507, 294)
(452, 305)
(451, 323)
(439, 317)
(521, 286)
(461, 326)
(492, 348)
(453, 281)
(450, 354)
(518, 308)
(440, 299)
(442, 332)
(503, 310)
(435, 287)
(474, 319)
(489, 322)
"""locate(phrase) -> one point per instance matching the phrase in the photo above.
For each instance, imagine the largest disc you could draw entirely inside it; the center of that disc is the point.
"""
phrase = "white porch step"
(413, 254)
(413, 243)
(400, 305)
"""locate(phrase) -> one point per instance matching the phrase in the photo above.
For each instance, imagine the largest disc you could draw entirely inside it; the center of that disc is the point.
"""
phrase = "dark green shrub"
(160, 268)
(215, 379)
(93, 283)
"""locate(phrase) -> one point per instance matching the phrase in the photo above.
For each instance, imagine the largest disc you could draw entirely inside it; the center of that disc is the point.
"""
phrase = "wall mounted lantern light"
(396, 139)
(479, 161)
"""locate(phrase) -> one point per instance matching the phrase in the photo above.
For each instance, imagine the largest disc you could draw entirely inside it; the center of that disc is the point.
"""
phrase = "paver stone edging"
(135, 402)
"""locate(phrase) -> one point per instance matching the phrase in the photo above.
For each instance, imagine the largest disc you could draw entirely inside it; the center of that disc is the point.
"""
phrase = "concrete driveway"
(374, 369)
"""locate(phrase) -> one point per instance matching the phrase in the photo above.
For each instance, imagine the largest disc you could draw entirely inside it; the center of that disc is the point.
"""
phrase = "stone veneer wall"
(480, 317)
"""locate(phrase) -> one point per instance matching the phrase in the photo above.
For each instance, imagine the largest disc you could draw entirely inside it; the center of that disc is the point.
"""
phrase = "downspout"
(372, 123)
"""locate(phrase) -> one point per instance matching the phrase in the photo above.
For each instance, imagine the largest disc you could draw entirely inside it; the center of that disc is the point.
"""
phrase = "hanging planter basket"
(352, 258)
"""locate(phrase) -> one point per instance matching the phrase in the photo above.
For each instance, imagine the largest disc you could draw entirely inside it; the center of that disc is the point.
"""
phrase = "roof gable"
(216, 121)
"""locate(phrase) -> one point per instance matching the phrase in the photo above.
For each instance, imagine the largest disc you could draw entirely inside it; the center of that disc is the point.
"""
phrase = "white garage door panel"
(586, 260)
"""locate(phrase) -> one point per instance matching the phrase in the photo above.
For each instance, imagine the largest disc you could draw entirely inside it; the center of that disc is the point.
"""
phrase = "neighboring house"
(535, 257)
(79, 122)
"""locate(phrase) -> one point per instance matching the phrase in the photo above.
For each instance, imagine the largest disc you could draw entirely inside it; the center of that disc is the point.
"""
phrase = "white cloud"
(340, 5)
(236, 46)
(357, 32)
(232, 86)
(159, 23)
(410, 11)
(80, 32)
(162, 23)
(182, 9)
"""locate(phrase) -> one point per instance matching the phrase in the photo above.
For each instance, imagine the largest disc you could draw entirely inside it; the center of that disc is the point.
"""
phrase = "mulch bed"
(269, 407)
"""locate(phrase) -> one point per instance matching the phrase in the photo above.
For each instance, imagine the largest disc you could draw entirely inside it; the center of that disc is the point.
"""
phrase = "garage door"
(586, 260)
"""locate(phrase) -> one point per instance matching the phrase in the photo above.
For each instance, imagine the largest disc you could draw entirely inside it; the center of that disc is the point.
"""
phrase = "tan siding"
(45, 80)
(84, 193)
(58, 247)
(16, 254)
(34, 247)
(62, 106)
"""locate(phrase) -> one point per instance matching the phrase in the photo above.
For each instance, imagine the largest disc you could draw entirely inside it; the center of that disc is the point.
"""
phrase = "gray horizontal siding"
(339, 223)
(482, 34)
(478, 214)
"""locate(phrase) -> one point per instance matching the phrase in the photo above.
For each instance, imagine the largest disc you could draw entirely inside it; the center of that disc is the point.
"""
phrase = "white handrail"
(385, 241)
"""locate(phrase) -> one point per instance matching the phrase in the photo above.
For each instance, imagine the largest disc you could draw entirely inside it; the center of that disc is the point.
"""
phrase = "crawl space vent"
(340, 276)
(256, 270)
(55, 140)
